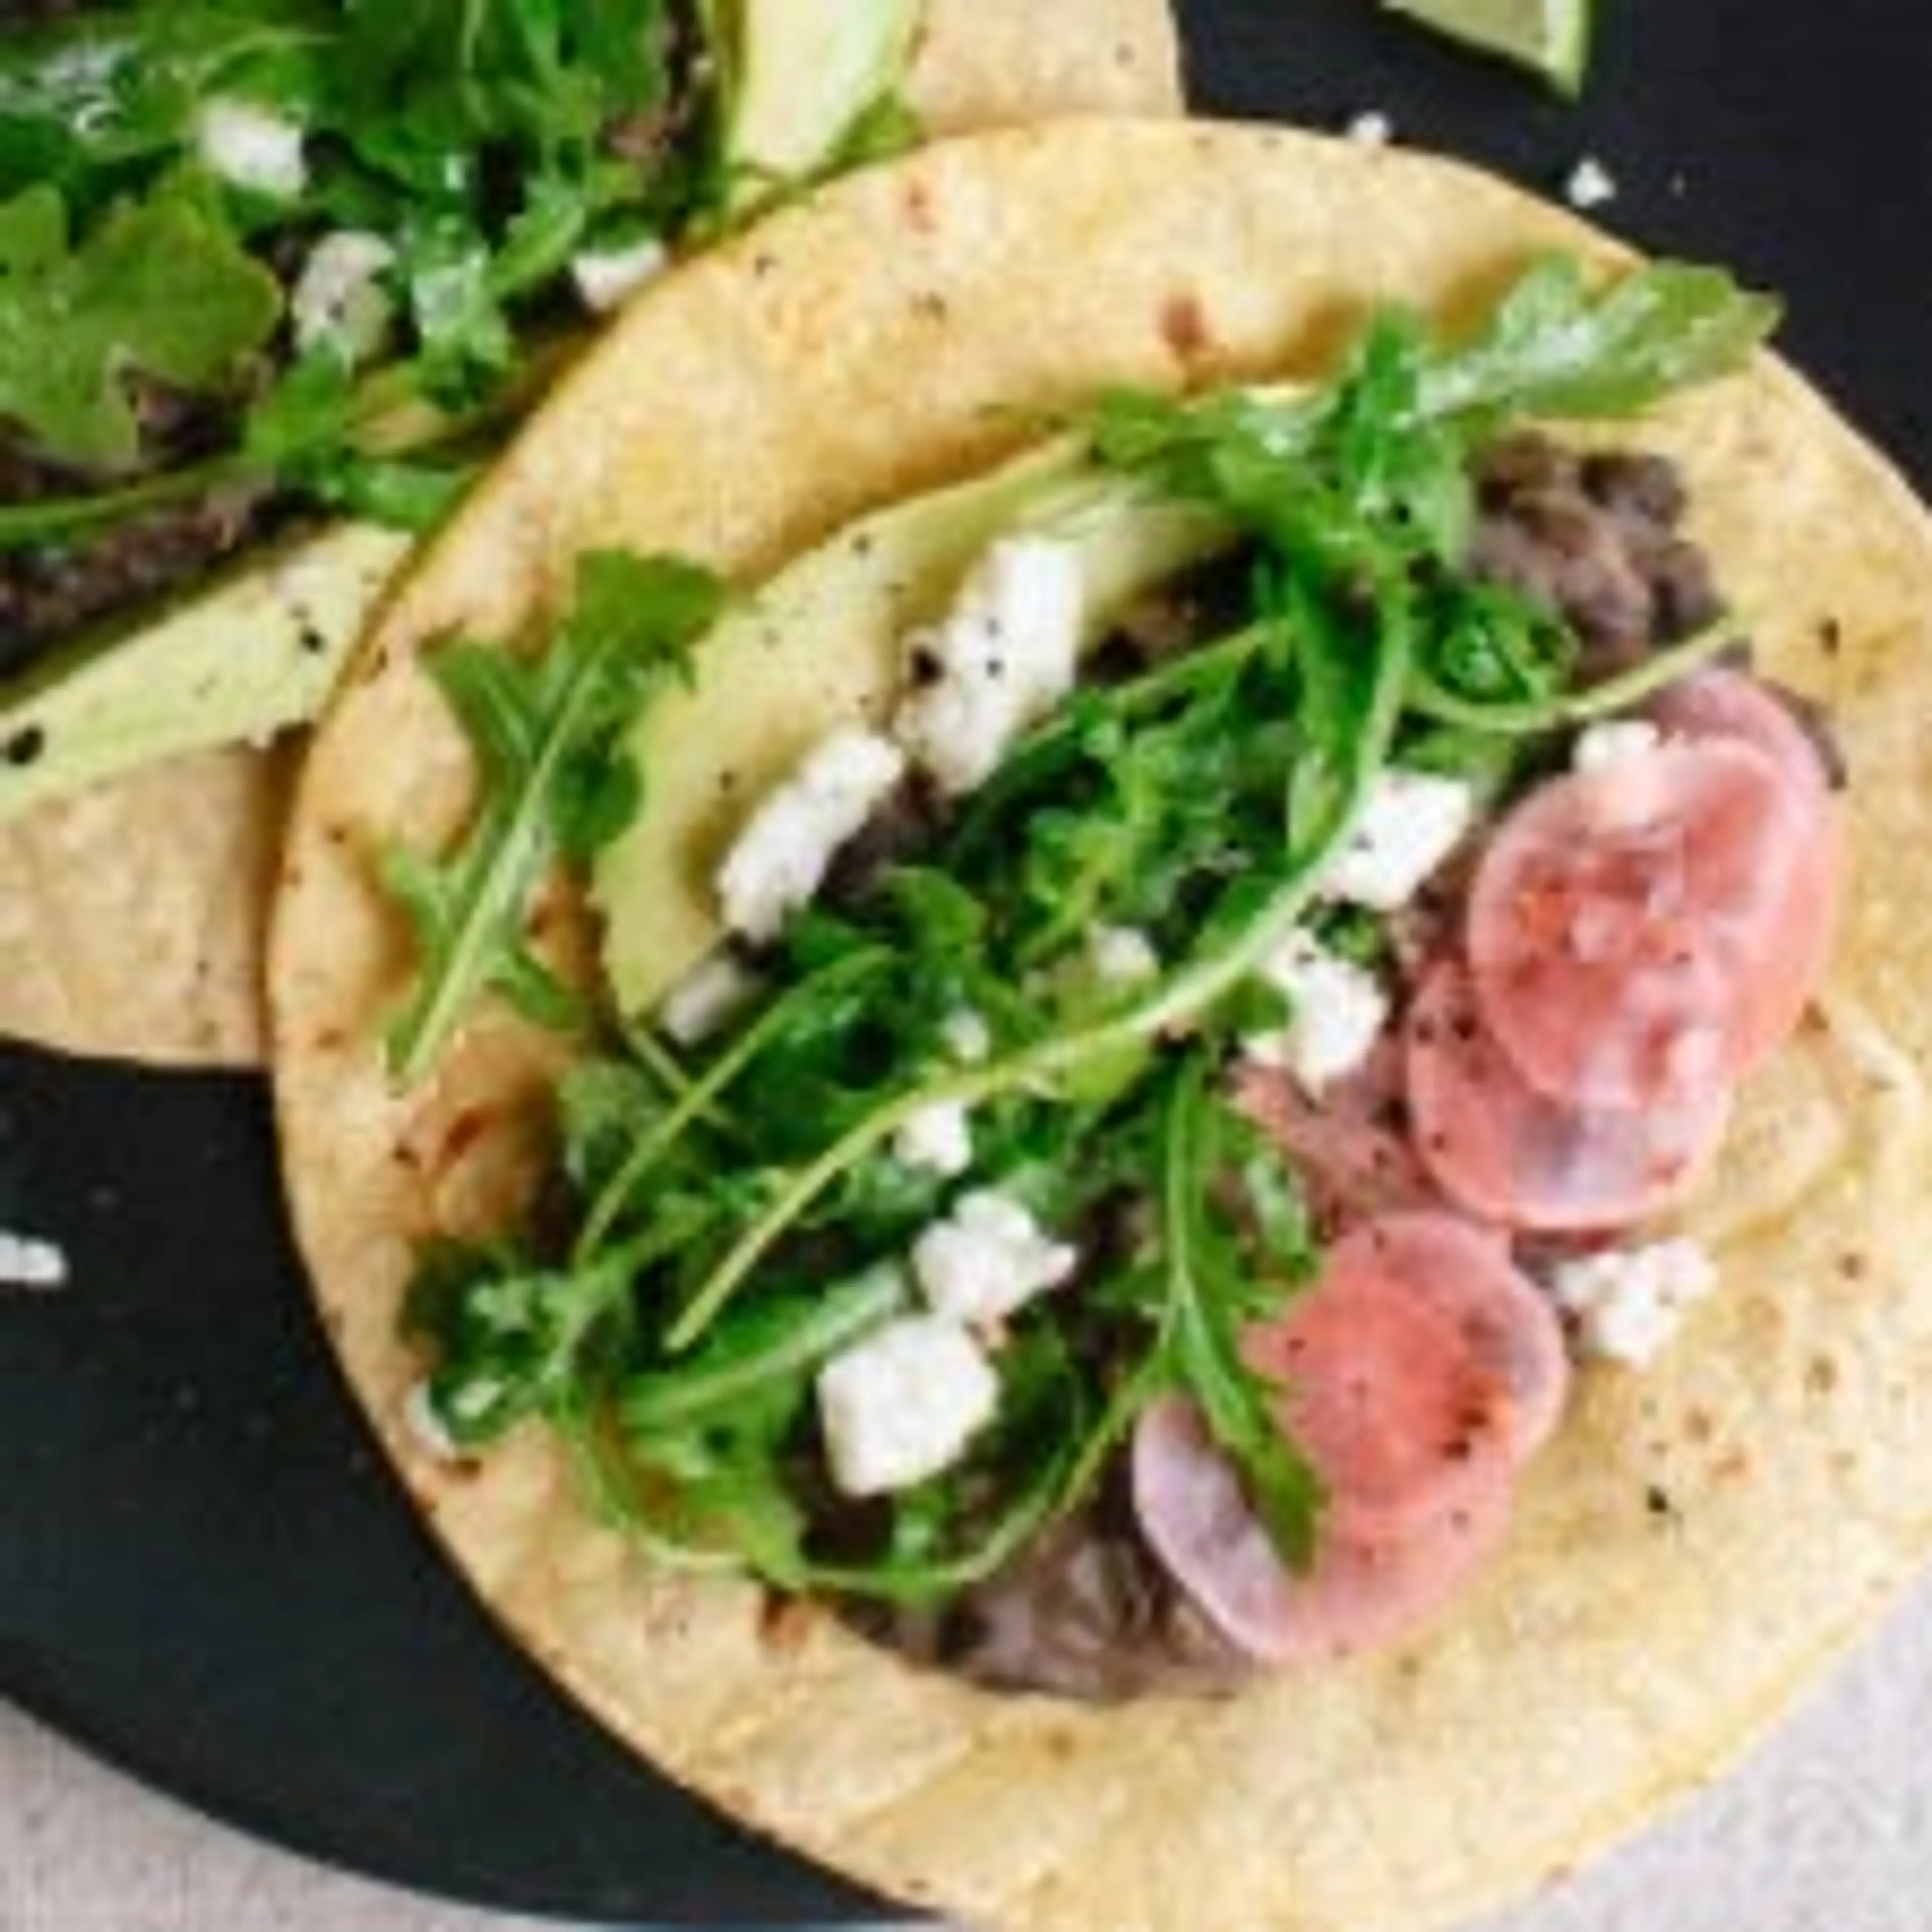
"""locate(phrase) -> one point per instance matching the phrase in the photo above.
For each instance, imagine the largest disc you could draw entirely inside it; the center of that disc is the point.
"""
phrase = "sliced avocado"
(240, 663)
(821, 642)
(795, 77)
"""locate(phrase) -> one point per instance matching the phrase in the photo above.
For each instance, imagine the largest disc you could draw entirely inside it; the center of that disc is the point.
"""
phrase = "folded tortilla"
(131, 918)
(1700, 1539)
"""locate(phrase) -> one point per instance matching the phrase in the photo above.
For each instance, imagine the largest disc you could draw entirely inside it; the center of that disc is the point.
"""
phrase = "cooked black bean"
(1523, 461)
(1595, 540)
(1647, 489)
(905, 822)
(51, 593)
(1086, 1611)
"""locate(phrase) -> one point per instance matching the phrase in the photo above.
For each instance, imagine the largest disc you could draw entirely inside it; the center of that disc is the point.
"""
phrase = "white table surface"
(1829, 1829)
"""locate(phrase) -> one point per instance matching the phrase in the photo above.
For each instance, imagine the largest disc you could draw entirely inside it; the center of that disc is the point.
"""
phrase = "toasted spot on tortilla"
(918, 209)
(1183, 326)
(785, 1622)
(1821, 1376)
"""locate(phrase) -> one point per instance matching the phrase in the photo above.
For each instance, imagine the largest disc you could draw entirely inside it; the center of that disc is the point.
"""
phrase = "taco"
(1305, 1582)
(276, 278)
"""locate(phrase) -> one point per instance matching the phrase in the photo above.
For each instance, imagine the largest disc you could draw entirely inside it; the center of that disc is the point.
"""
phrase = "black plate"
(204, 1576)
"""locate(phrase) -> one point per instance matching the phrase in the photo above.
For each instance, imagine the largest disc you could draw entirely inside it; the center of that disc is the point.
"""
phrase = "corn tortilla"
(133, 914)
(1701, 1538)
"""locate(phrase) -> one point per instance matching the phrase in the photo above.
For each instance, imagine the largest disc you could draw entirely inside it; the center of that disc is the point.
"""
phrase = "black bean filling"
(1595, 539)
(1087, 1611)
(906, 823)
(50, 595)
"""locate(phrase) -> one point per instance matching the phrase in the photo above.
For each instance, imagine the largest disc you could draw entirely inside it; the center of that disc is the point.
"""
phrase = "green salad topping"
(170, 169)
(726, 1218)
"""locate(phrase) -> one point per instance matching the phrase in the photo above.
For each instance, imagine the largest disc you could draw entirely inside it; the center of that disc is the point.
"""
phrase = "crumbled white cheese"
(607, 278)
(338, 298)
(998, 663)
(1628, 1302)
(989, 1257)
(426, 1427)
(252, 148)
(1337, 1011)
(1372, 129)
(967, 1036)
(1590, 185)
(937, 1136)
(1121, 954)
(901, 1404)
(1614, 742)
(1412, 822)
(707, 997)
(781, 857)
(26, 1262)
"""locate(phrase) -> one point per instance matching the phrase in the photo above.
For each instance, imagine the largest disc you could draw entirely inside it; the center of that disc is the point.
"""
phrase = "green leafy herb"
(159, 289)
(782, 1339)
(545, 729)
(1210, 1292)
(486, 143)
(511, 1337)
(456, 75)
(1556, 346)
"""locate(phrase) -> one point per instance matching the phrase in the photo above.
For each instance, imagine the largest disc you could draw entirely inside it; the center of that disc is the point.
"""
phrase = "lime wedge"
(1552, 38)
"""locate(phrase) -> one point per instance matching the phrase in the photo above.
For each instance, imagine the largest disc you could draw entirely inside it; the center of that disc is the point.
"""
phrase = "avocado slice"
(258, 653)
(821, 643)
(795, 77)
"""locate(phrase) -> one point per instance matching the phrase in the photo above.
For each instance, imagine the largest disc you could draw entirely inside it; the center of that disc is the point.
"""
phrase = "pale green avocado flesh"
(796, 76)
(237, 665)
(822, 643)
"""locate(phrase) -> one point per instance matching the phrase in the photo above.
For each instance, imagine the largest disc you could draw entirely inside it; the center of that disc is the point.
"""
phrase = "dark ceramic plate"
(206, 1576)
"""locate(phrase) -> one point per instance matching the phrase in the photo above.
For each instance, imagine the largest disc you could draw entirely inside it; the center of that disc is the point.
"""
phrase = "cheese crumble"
(1629, 1302)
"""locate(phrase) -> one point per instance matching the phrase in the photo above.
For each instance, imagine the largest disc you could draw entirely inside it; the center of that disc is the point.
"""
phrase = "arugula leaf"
(780, 1340)
(1394, 463)
(160, 288)
(545, 731)
(603, 1105)
(1391, 434)
(803, 1006)
(1556, 346)
(510, 1336)
(54, 520)
(455, 74)
(1211, 1295)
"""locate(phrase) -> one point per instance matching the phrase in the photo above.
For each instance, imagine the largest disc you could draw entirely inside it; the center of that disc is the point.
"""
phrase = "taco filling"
(262, 262)
(1204, 1015)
